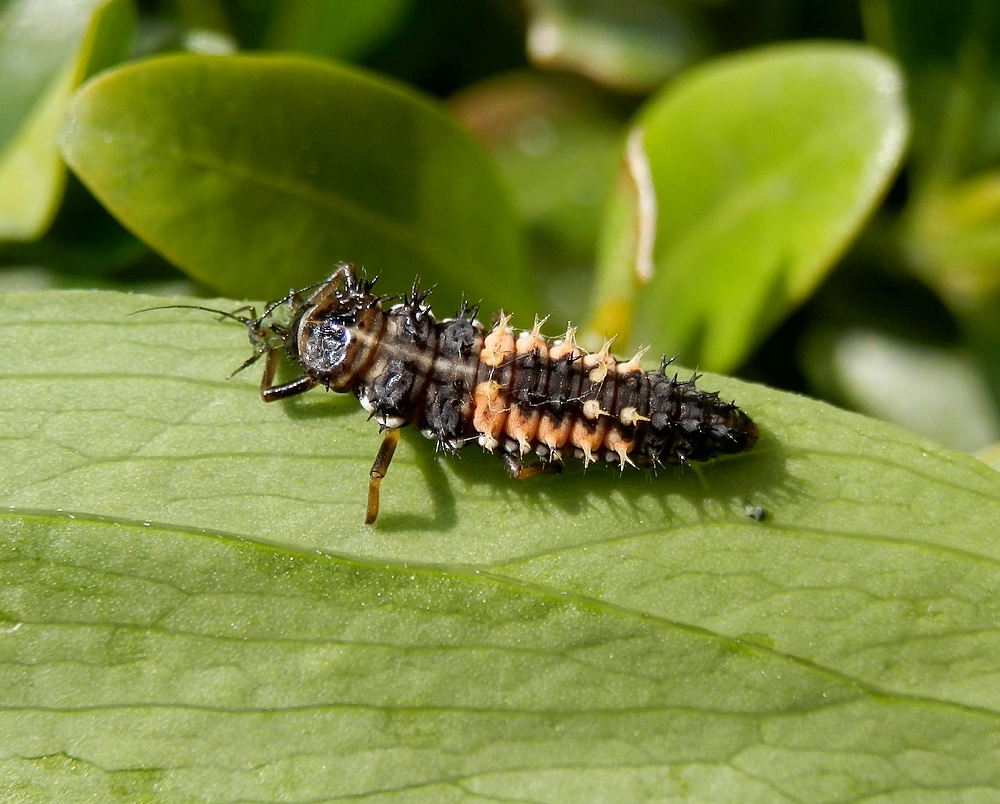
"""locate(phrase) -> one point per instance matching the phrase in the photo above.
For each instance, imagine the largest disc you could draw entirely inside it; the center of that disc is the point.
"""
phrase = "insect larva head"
(325, 348)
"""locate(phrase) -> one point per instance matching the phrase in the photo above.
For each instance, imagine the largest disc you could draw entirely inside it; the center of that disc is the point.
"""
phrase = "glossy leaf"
(256, 174)
(47, 47)
(184, 565)
(763, 166)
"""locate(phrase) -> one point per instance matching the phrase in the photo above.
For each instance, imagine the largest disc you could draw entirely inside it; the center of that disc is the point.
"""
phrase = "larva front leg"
(270, 392)
(379, 468)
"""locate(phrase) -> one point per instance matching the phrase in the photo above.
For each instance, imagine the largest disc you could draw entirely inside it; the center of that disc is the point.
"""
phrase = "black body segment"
(445, 417)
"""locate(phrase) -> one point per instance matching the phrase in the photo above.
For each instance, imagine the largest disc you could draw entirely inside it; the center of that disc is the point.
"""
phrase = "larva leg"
(379, 468)
(518, 471)
(270, 392)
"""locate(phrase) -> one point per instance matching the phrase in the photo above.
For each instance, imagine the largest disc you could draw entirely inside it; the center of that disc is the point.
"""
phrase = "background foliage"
(801, 194)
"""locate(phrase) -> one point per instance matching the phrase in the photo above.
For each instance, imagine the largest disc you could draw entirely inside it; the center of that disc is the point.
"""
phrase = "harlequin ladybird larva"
(513, 394)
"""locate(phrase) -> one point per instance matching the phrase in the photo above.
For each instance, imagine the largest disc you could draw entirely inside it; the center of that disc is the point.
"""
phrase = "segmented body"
(514, 394)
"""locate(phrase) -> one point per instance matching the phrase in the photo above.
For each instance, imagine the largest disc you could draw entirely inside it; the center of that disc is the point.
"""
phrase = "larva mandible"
(459, 384)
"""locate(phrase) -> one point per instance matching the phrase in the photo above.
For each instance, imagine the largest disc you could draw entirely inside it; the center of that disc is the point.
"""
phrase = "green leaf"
(754, 173)
(256, 174)
(32, 54)
(950, 231)
(336, 28)
(46, 49)
(631, 45)
(556, 145)
(951, 54)
(193, 611)
(937, 391)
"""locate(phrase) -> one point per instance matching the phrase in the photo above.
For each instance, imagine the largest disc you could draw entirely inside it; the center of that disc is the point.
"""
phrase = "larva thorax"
(512, 393)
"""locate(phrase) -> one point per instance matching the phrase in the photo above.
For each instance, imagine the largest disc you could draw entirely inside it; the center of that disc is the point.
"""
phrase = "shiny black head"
(336, 328)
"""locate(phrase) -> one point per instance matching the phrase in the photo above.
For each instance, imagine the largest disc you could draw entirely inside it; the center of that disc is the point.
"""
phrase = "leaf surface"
(631, 45)
(748, 177)
(335, 28)
(256, 174)
(186, 565)
(46, 49)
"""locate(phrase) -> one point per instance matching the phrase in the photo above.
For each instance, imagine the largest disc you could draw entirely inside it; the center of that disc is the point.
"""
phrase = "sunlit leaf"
(192, 610)
(47, 47)
(761, 168)
(256, 174)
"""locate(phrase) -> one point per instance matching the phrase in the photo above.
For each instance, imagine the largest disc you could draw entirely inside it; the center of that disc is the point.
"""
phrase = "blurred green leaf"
(743, 183)
(83, 240)
(37, 38)
(951, 235)
(990, 456)
(631, 45)
(951, 54)
(192, 609)
(555, 143)
(951, 228)
(256, 174)
(949, 232)
(31, 171)
(341, 29)
(47, 47)
(935, 391)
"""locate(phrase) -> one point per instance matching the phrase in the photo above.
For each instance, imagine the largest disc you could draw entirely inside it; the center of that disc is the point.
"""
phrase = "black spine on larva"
(529, 385)
(405, 354)
(566, 380)
(446, 414)
(688, 424)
